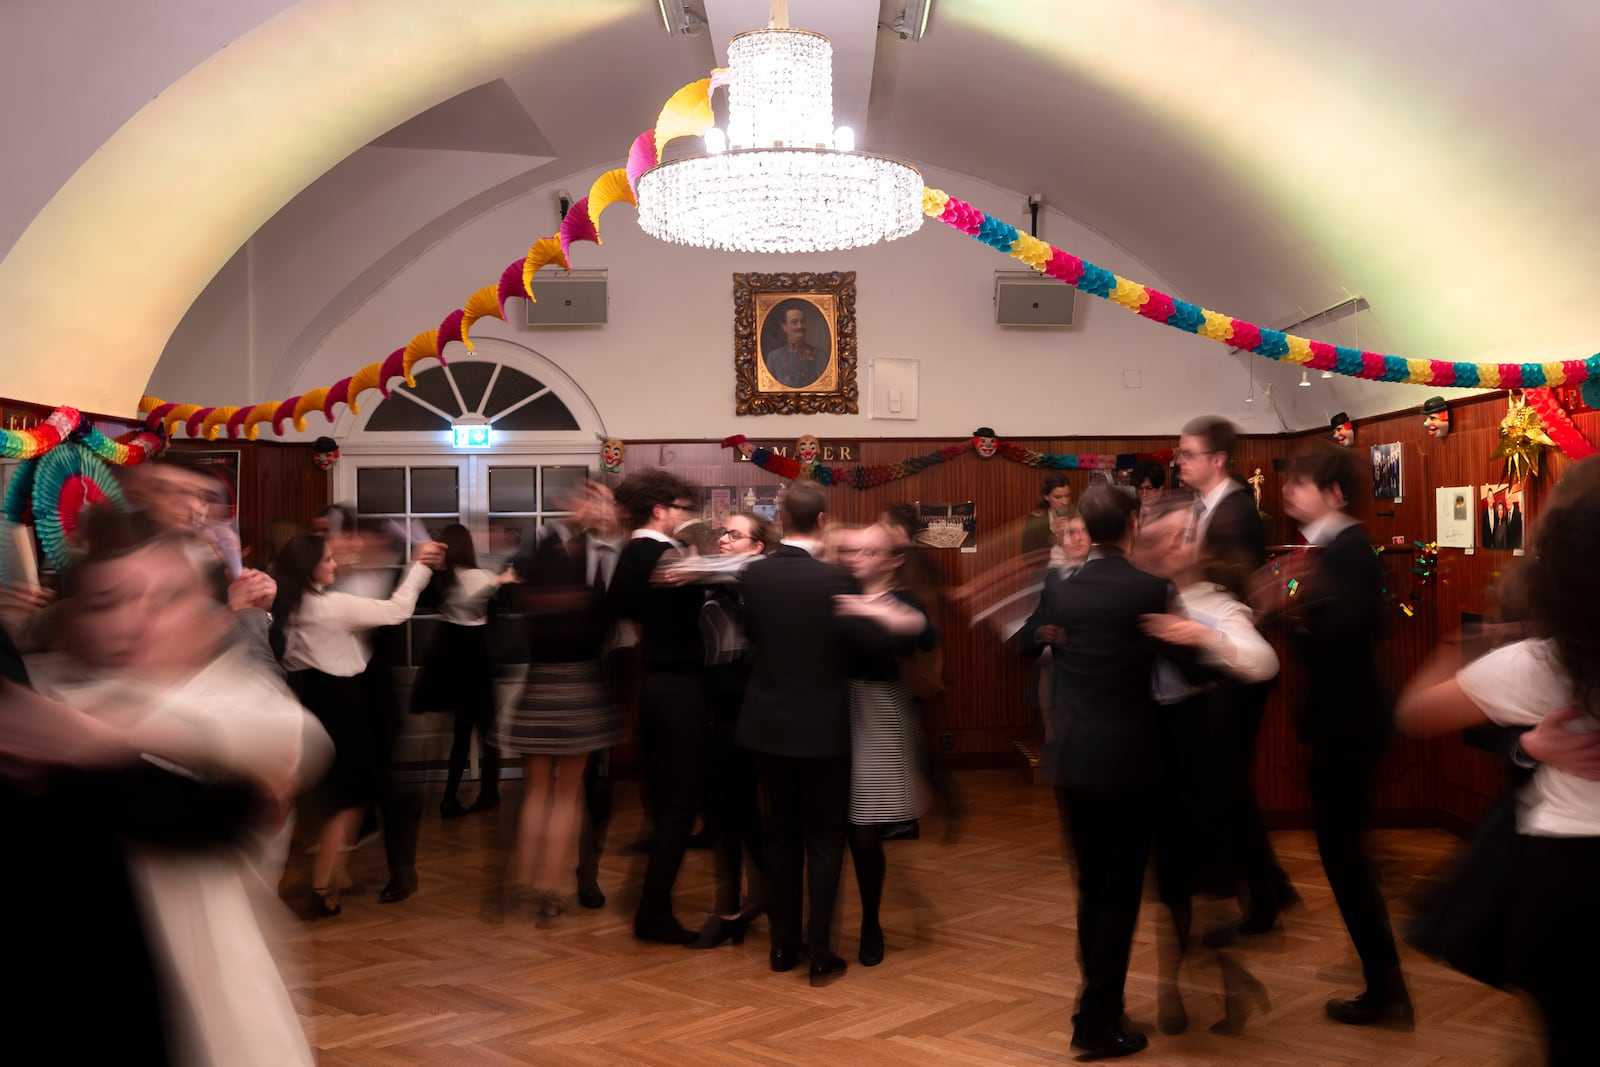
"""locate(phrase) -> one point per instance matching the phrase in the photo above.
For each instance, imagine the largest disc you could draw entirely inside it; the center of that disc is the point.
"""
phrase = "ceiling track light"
(912, 23)
(1305, 382)
(679, 20)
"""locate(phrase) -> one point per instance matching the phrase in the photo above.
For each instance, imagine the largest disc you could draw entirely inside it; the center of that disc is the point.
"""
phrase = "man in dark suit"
(1345, 714)
(1231, 534)
(796, 718)
(673, 714)
(1104, 753)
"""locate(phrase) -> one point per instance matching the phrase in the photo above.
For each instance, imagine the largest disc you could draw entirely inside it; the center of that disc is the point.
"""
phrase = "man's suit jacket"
(797, 702)
(1101, 701)
(1335, 629)
(1237, 537)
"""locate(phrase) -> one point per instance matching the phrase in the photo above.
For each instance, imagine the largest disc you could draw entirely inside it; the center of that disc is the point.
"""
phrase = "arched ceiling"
(1265, 158)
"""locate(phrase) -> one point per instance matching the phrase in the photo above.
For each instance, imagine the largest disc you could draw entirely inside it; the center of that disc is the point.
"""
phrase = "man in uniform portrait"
(795, 363)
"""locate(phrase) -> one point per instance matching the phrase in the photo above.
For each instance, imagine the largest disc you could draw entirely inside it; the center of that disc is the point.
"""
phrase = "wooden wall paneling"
(276, 481)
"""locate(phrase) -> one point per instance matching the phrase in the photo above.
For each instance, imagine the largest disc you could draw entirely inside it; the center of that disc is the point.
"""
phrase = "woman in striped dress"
(566, 710)
(885, 787)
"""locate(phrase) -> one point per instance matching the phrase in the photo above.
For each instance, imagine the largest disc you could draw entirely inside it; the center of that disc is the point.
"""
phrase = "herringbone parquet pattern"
(981, 967)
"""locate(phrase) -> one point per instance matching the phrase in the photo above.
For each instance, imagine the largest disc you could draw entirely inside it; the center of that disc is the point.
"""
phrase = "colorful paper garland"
(70, 424)
(688, 113)
(1558, 424)
(871, 475)
(1159, 307)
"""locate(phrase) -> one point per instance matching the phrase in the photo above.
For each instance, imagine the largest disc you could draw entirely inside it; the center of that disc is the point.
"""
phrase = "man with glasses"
(673, 713)
(1228, 526)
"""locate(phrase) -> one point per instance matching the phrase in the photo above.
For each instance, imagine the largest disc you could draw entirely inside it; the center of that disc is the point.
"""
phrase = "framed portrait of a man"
(794, 347)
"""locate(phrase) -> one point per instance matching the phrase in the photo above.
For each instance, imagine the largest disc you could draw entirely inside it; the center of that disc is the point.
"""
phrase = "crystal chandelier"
(781, 178)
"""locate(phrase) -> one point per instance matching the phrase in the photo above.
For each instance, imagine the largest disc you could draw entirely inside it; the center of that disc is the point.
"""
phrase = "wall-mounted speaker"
(1023, 298)
(568, 298)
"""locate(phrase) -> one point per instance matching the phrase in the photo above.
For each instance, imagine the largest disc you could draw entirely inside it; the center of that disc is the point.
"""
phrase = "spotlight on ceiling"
(679, 20)
(912, 23)
(1305, 383)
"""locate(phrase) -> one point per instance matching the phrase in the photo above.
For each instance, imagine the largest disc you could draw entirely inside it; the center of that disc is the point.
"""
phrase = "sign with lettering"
(827, 451)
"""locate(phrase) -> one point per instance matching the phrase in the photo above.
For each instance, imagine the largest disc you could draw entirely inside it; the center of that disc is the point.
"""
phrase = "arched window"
(509, 399)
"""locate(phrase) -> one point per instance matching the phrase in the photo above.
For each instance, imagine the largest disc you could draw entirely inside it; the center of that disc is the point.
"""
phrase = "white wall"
(663, 366)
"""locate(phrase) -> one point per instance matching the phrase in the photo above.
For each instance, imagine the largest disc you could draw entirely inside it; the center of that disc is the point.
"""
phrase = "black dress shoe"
(824, 969)
(400, 887)
(909, 830)
(1109, 1045)
(1389, 1009)
(784, 959)
(451, 809)
(716, 930)
(668, 931)
(317, 906)
(591, 897)
(486, 802)
(871, 952)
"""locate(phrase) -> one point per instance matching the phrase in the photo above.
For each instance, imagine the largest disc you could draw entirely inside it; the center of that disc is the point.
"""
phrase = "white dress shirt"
(327, 633)
(467, 602)
(1324, 530)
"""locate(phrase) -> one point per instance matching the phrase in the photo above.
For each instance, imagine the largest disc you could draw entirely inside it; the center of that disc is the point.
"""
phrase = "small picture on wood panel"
(720, 501)
(1502, 516)
(1456, 512)
(947, 525)
(1386, 471)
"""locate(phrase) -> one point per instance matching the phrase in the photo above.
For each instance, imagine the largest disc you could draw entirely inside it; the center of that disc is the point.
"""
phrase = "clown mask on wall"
(1344, 432)
(807, 449)
(612, 453)
(324, 453)
(1436, 417)
(984, 442)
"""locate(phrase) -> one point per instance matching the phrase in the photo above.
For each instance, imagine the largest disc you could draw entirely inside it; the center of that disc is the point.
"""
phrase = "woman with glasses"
(733, 818)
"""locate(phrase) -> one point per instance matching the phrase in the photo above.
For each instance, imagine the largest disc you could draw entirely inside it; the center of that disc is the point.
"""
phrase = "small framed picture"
(1502, 516)
(794, 344)
(1387, 472)
(1456, 515)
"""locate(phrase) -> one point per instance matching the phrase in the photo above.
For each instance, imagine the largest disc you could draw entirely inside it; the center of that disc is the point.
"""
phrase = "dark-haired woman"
(459, 676)
(1551, 940)
(319, 637)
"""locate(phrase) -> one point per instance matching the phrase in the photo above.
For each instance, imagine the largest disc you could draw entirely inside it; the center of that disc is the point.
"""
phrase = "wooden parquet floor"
(981, 967)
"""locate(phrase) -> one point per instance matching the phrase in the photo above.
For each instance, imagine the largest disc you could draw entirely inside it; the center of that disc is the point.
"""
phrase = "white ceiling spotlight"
(912, 25)
(679, 20)
(1305, 383)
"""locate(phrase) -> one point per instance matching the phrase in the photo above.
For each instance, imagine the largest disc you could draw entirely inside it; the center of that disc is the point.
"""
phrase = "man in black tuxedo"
(1345, 714)
(796, 718)
(1104, 754)
(673, 713)
(1231, 534)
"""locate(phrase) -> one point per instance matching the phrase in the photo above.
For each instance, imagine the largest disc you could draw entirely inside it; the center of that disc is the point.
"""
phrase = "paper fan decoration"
(66, 480)
(686, 114)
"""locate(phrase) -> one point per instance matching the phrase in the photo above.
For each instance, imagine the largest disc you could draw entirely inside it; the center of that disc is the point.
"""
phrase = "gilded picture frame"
(794, 344)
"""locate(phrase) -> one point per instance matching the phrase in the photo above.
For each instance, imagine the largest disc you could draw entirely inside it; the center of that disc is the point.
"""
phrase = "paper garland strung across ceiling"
(869, 475)
(70, 424)
(1237, 333)
(687, 113)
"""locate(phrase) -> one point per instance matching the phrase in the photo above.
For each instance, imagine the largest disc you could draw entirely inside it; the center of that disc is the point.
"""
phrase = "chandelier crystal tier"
(781, 179)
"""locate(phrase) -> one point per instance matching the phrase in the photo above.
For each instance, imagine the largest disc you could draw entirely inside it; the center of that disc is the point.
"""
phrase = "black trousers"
(596, 817)
(1243, 852)
(672, 738)
(1554, 942)
(805, 811)
(1342, 774)
(1111, 838)
(728, 788)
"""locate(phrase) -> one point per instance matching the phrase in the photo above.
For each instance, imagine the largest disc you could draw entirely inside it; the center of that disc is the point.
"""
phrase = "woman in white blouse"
(459, 676)
(1552, 682)
(319, 637)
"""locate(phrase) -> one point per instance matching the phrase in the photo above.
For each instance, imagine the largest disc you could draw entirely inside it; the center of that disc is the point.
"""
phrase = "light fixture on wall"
(470, 432)
(912, 25)
(679, 20)
(780, 178)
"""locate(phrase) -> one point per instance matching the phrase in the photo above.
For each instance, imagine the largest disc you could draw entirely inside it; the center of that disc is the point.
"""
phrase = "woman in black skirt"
(459, 676)
(318, 636)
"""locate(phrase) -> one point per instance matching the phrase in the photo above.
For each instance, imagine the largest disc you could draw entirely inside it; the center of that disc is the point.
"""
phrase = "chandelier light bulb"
(1305, 382)
(716, 140)
(844, 139)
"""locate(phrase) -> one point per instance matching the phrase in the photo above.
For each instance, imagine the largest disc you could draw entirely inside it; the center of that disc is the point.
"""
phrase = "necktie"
(598, 580)
(1194, 521)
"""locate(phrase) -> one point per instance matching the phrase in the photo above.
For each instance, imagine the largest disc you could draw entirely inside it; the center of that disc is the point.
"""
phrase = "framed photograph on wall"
(1456, 509)
(1502, 516)
(1386, 471)
(794, 344)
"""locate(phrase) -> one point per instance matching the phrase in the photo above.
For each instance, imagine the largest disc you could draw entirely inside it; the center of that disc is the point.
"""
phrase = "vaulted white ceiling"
(1266, 158)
